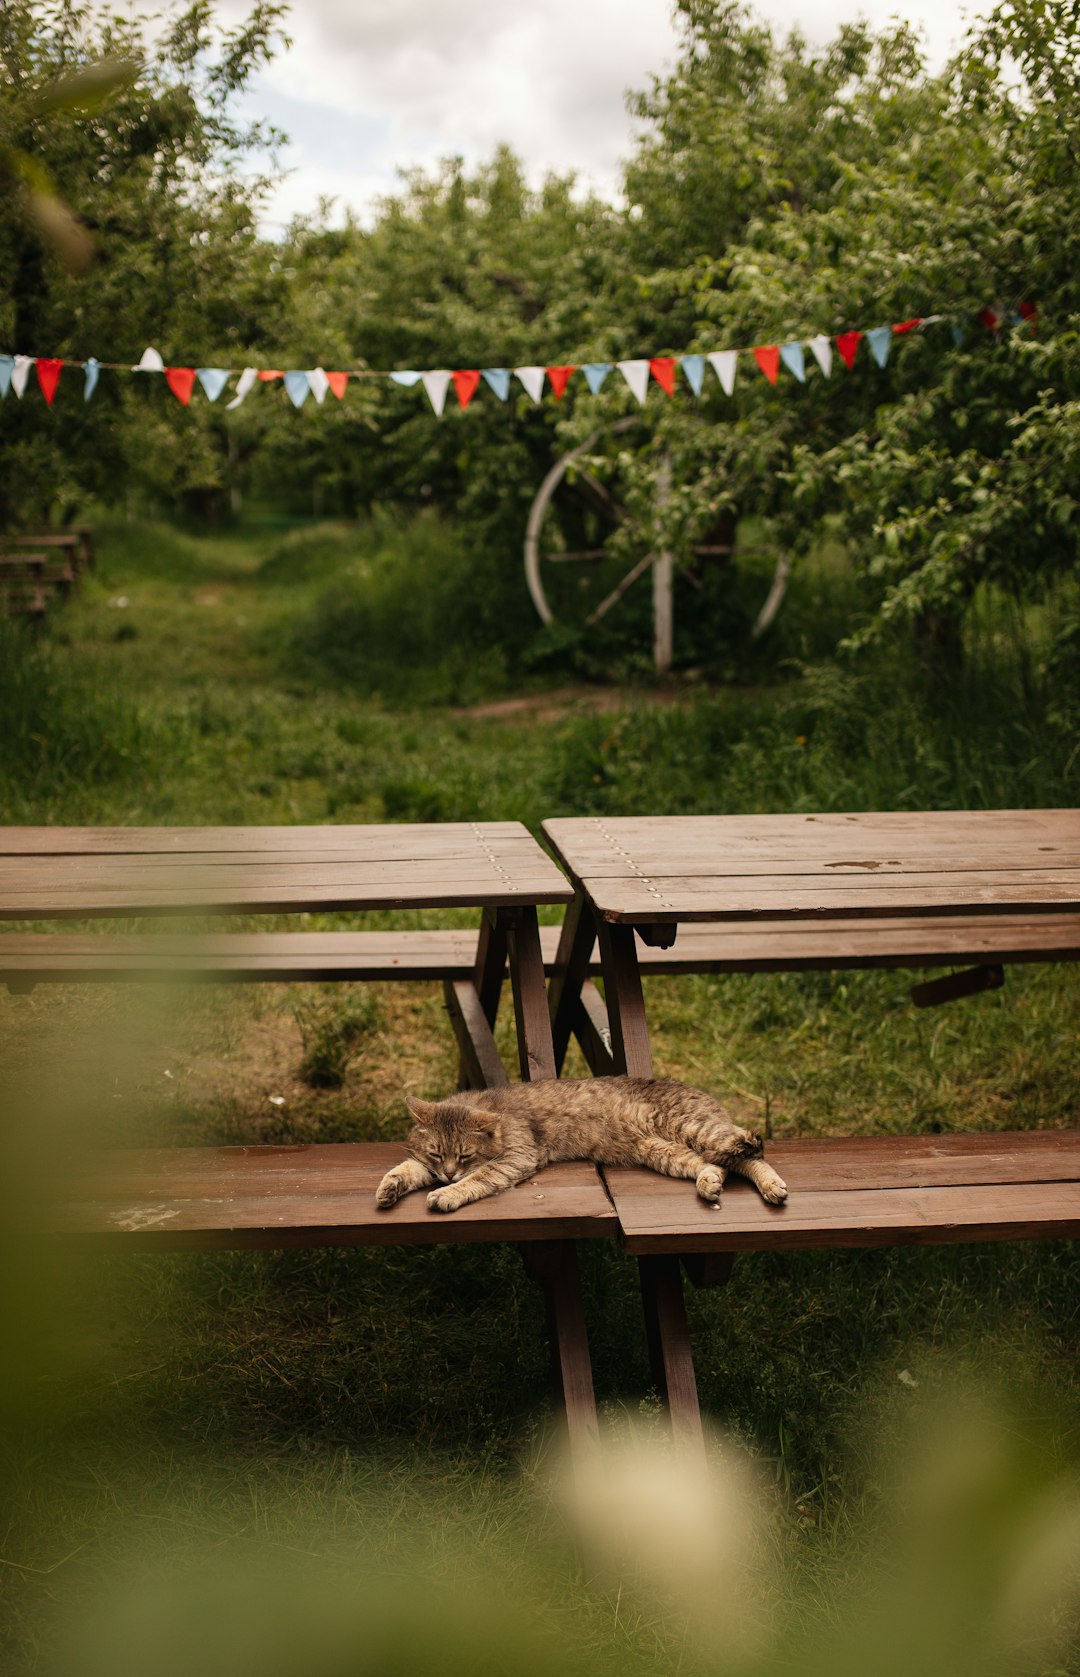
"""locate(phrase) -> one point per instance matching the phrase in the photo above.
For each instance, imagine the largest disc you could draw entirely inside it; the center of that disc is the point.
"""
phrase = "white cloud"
(373, 85)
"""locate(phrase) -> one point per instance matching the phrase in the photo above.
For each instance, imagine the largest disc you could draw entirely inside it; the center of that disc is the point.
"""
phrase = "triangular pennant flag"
(722, 362)
(466, 380)
(296, 383)
(247, 378)
(318, 383)
(794, 360)
(533, 380)
(767, 357)
(880, 340)
(436, 384)
(1028, 311)
(636, 374)
(337, 383)
(93, 368)
(48, 372)
(20, 373)
(559, 377)
(991, 319)
(662, 368)
(595, 374)
(821, 349)
(7, 364)
(959, 332)
(150, 362)
(181, 381)
(407, 379)
(213, 381)
(499, 380)
(848, 345)
(908, 325)
(693, 367)
(268, 374)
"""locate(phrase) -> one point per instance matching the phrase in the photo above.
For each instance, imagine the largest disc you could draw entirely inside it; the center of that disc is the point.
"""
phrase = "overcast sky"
(372, 86)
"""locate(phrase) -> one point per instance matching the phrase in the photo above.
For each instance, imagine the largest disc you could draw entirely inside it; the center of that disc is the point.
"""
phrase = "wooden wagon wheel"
(607, 509)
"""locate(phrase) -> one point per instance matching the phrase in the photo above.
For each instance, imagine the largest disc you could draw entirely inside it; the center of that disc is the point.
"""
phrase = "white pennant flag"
(21, 372)
(150, 362)
(821, 349)
(533, 380)
(722, 362)
(248, 377)
(636, 374)
(436, 384)
(319, 383)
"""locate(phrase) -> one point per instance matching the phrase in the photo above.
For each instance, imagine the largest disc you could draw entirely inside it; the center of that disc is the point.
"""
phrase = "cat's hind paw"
(389, 1191)
(710, 1184)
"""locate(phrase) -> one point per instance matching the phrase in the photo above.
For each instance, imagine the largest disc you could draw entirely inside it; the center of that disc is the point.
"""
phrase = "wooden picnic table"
(325, 1195)
(938, 875)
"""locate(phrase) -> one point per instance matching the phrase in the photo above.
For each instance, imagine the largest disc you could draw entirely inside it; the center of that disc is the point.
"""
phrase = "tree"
(152, 175)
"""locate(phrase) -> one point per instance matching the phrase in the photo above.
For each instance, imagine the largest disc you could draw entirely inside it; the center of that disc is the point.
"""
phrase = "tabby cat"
(484, 1140)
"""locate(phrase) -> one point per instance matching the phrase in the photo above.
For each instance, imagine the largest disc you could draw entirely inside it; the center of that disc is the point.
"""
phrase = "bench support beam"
(553, 1265)
(670, 1355)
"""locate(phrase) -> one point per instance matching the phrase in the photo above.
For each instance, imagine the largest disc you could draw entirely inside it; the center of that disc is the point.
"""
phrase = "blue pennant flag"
(213, 381)
(7, 367)
(407, 379)
(959, 332)
(880, 340)
(499, 380)
(694, 368)
(296, 383)
(595, 374)
(92, 370)
(794, 360)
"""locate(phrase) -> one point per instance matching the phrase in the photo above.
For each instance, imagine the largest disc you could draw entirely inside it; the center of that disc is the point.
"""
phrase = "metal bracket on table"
(971, 982)
(658, 937)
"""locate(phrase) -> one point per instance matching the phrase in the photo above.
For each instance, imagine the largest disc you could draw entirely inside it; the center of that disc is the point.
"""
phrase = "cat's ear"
(422, 1111)
(485, 1122)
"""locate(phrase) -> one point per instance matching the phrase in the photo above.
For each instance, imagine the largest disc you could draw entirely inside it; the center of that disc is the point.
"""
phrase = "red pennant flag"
(181, 381)
(662, 368)
(990, 319)
(560, 377)
(268, 375)
(337, 383)
(768, 359)
(466, 380)
(1028, 311)
(848, 345)
(48, 372)
(908, 325)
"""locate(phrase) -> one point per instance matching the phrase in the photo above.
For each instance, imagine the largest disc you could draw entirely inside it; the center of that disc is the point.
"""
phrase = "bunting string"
(638, 374)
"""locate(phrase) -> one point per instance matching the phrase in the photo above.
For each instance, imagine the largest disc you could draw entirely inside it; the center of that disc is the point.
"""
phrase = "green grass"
(350, 1405)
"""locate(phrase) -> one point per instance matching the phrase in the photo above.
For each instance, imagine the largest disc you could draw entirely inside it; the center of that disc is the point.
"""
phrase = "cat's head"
(450, 1137)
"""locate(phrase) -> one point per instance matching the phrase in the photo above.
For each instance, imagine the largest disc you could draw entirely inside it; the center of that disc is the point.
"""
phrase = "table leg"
(553, 1265)
(570, 974)
(630, 1049)
(670, 1355)
(480, 1010)
(535, 1051)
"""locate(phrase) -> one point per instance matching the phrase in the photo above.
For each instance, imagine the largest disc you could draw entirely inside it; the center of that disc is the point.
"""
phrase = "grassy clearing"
(285, 1400)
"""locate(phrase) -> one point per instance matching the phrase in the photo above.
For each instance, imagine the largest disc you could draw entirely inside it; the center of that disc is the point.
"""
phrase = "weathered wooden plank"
(387, 839)
(672, 898)
(481, 1065)
(630, 1051)
(841, 1216)
(770, 946)
(323, 1195)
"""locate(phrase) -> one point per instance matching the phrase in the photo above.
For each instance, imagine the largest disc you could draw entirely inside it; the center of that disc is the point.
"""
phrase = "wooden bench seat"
(28, 958)
(323, 1195)
(867, 1191)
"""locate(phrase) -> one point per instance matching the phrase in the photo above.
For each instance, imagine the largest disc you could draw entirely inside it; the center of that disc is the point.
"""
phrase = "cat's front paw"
(773, 1189)
(710, 1184)
(389, 1191)
(446, 1199)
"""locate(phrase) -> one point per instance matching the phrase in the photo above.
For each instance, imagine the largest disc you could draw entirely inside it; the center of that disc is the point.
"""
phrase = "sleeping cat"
(484, 1140)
